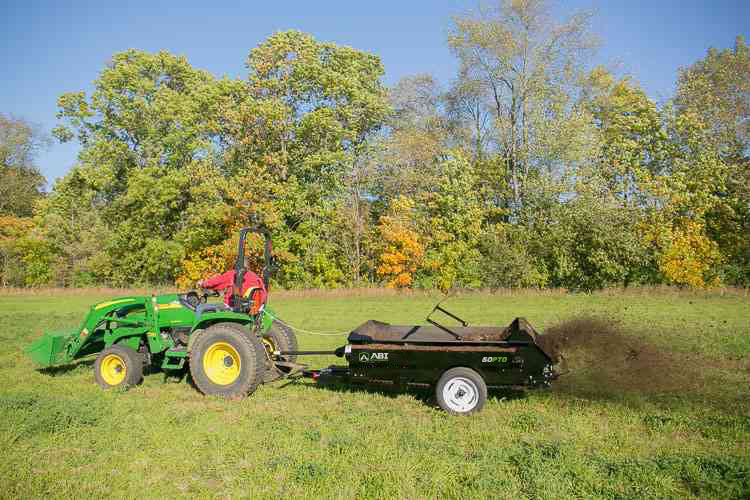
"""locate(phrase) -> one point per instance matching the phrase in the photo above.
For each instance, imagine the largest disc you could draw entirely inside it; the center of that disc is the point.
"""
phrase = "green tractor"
(229, 350)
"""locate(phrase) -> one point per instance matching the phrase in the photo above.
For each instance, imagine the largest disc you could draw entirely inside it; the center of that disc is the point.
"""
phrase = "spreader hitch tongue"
(337, 352)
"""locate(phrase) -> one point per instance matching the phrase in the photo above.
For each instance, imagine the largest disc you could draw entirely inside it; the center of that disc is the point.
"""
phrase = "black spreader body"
(380, 353)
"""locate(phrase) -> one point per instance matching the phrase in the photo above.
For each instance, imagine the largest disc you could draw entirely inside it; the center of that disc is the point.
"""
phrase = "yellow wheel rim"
(222, 363)
(113, 369)
(269, 345)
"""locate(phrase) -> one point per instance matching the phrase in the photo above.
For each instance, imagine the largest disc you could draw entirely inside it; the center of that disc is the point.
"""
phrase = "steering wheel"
(193, 299)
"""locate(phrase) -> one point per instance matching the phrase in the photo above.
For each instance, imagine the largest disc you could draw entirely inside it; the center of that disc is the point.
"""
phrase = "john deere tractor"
(228, 350)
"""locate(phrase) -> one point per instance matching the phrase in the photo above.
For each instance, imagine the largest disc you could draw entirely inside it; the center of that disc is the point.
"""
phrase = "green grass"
(686, 433)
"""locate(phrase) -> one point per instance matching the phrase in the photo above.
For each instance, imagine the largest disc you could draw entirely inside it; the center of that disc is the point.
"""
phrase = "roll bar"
(239, 266)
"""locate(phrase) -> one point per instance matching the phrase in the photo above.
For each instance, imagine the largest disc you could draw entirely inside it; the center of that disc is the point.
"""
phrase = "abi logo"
(375, 356)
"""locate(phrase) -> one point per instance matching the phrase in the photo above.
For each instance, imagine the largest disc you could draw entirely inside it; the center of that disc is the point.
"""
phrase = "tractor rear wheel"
(279, 337)
(118, 366)
(226, 361)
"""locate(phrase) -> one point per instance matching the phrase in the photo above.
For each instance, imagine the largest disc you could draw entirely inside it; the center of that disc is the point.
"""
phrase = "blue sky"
(52, 47)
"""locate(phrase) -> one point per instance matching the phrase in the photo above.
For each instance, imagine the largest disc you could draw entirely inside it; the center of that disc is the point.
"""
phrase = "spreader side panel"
(423, 364)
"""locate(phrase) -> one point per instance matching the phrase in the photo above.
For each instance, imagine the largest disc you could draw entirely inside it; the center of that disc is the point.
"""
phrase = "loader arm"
(67, 345)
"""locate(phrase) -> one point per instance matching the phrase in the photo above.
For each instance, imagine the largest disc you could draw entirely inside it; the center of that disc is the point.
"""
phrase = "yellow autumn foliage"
(204, 263)
(402, 251)
(14, 227)
(687, 255)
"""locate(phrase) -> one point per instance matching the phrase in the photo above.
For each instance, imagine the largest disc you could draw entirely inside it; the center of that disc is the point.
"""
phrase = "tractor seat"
(207, 308)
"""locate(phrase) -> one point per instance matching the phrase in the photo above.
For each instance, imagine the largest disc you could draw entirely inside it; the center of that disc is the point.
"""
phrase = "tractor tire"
(227, 361)
(283, 339)
(279, 337)
(118, 366)
(461, 391)
(238, 327)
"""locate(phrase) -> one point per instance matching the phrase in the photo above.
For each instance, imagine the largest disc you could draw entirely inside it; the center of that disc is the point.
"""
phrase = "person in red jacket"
(252, 288)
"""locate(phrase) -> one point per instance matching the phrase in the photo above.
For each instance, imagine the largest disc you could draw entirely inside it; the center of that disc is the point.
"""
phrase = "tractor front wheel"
(226, 361)
(118, 366)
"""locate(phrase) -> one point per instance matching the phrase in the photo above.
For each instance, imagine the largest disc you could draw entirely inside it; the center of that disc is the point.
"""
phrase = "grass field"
(664, 411)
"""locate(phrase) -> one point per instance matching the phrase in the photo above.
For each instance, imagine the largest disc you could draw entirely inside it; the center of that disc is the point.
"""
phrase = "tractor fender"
(133, 342)
(219, 317)
(204, 326)
(266, 319)
(222, 317)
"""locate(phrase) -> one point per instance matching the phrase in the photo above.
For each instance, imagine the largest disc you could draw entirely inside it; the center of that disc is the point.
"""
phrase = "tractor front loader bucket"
(48, 350)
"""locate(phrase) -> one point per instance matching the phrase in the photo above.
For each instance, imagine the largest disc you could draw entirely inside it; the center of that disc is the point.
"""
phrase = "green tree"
(470, 115)
(633, 141)
(451, 222)
(529, 67)
(417, 142)
(150, 120)
(509, 258)
(21, 183)
(329, 105)
(330, 97)
(716, 91)
(685, 194)
(173, 161)
(582, 251)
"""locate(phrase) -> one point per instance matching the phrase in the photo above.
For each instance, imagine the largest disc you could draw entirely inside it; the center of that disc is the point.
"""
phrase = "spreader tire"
(227, 361)
(279, 337)
(461, 391)
(118, 366)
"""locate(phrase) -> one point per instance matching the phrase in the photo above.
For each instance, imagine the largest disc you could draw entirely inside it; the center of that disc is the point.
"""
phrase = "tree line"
(530, 168)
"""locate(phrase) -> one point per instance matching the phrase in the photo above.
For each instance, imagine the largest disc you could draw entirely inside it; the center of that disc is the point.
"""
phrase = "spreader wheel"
(226, 361)
(461, 391)
(118, 366)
